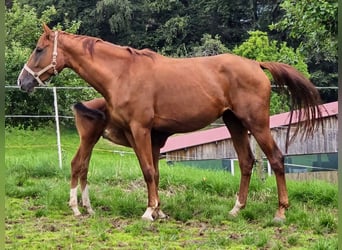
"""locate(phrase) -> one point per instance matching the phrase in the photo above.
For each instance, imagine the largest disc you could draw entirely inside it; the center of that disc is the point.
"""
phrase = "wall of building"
(321, 143)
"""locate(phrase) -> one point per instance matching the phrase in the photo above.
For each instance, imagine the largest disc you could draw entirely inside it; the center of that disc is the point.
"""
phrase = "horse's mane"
(89, 42)
(142, 52)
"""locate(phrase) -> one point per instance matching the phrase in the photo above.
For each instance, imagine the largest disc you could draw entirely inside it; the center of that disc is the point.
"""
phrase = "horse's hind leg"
(258, 124)
(89, 132)
(77, 165)
(275, 157)
(240, 139)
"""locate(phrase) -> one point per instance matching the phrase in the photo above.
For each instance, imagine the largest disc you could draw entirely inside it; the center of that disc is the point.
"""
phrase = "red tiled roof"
(221, 133)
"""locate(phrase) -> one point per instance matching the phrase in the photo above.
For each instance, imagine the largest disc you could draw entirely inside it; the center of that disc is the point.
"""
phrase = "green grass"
(197, 201)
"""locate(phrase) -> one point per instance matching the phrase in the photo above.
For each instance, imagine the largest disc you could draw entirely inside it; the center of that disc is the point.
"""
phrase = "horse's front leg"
(141, 142)
(156, 153)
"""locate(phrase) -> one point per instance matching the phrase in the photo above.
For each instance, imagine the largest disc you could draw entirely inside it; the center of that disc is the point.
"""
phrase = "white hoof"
(279, 220)
(73, 202)
(150, 214)
(76, 211)
(90, 211)
(161, 215)
(236, 209)
(233, 213)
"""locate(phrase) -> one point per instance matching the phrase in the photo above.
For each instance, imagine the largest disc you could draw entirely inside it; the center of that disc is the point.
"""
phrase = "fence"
(57, 116)
(328, 176)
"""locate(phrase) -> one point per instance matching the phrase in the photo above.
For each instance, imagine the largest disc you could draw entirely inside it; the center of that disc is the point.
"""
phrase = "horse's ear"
(46, 28)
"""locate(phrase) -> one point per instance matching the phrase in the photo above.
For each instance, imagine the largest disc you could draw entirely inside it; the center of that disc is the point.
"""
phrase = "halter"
(53, 64)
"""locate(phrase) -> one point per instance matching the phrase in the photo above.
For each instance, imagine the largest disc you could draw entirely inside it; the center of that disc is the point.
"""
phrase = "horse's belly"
(115, 135)
(182, 124)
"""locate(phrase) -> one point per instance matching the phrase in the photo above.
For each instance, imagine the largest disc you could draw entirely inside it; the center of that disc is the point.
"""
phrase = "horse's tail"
(93, 114)
(305, 98)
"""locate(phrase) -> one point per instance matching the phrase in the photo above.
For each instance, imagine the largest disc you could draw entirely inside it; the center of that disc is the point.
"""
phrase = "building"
(213, 148)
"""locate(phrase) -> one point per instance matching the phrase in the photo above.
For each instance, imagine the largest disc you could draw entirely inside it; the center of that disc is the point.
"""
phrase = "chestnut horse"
(150, 97)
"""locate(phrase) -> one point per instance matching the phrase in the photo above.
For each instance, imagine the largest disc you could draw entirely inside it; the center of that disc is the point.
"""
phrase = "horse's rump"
(93, 114)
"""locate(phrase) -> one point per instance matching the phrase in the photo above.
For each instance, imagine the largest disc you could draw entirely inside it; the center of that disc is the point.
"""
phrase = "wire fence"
(57, 116)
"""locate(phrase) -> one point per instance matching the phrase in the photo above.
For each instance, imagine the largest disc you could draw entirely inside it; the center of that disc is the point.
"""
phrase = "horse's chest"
(117, 118)
(120, 114)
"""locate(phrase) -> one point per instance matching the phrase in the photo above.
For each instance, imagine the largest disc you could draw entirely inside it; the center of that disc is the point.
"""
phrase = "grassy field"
(197, 201)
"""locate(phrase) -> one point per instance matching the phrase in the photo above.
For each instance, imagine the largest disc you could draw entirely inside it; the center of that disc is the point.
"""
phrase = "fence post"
(269, 169)
(57, 127)
(232, 167)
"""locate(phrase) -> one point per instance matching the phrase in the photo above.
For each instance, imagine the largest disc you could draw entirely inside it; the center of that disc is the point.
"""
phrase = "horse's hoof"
(77, 212)
(77, 215)
(90, 211)
(237, 207)
(279, 220)
(161, 215)
(233, 213)
(150, 214)
(147, 218)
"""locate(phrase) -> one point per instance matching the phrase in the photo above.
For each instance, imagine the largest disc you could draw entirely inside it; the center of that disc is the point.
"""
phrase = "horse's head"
(43, 62)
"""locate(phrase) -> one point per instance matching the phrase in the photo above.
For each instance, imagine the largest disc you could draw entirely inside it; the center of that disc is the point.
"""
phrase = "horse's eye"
(38, 49)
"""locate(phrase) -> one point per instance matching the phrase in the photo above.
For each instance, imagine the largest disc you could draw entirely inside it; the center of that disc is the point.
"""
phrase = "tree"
(116, 13)
(23, 28)
(22, 24)
(209, 46)
(260, 48)
(171, 27)
(311, 25)
(172, 34)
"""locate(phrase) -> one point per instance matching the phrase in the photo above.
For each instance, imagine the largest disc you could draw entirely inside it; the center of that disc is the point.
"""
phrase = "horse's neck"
(97, 65)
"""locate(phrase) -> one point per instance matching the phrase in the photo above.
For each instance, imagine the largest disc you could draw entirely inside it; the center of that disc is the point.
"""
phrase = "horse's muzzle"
(27, 85)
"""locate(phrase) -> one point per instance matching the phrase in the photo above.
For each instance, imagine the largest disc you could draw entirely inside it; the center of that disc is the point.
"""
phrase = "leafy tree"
(311, 25)
(173, 34)
(23, 28)
(260, 48)
(210, 46)
(116, 13)
(170, 27)
(314, 23)
(265, 12)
